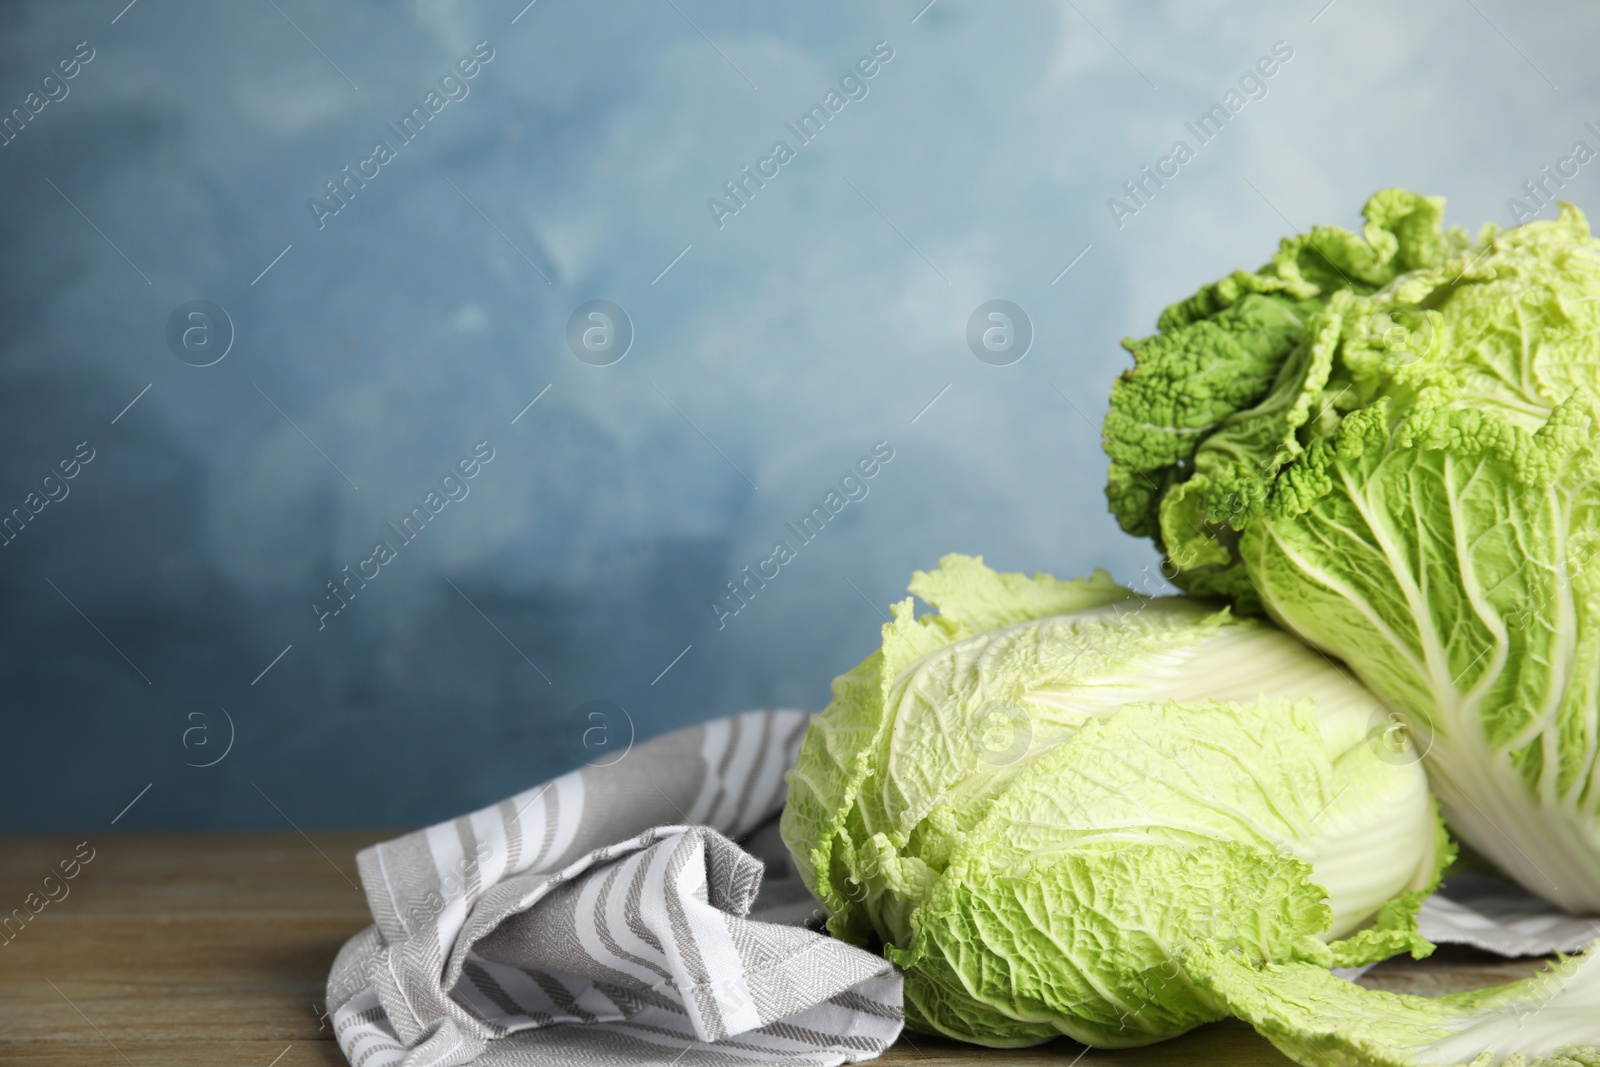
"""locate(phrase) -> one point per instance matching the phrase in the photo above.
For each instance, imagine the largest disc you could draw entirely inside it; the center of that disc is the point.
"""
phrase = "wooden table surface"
(212, 949)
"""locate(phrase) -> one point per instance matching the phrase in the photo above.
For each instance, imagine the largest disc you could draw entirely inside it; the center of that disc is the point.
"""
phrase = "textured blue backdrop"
(139, 609)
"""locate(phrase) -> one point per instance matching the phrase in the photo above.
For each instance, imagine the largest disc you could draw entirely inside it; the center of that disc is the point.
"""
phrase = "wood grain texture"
(212, 949)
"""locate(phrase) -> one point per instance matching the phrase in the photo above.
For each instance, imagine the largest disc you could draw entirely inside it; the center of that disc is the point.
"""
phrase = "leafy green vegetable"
(1549, 1020)
(1040, 800)
(1389, 442)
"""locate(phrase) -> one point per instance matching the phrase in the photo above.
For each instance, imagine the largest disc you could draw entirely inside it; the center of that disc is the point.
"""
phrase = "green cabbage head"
(1061, 808)
(1030, 798)
(1389, 442)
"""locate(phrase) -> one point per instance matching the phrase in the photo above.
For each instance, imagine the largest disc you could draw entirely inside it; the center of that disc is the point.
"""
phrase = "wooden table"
(212, 950)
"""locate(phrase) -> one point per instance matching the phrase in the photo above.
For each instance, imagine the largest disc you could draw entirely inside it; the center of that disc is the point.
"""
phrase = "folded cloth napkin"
(609, 917)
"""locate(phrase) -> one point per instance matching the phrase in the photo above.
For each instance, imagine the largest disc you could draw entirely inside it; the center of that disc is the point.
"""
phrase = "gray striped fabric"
(608, 917)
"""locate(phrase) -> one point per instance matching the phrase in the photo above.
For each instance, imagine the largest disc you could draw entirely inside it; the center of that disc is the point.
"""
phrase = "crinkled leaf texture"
(1415, 490)
(1034, 798)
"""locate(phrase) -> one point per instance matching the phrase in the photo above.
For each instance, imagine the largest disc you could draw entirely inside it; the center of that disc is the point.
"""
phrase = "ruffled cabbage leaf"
(1396, 458)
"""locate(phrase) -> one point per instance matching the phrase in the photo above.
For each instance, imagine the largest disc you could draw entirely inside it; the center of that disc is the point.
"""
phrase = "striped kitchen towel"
(609, 917)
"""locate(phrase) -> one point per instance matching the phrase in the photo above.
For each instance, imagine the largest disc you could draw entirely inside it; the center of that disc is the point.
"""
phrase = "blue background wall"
(425, 315)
